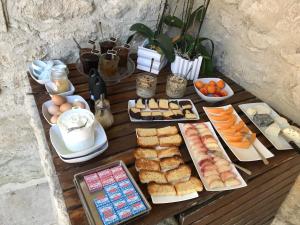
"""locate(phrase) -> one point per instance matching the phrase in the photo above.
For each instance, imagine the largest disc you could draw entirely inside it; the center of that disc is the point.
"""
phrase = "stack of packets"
(119, 199)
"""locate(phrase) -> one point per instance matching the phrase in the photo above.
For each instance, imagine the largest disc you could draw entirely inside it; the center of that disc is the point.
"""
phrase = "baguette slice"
(148, 141)
(152, 176)
(145, 153)
(165, 131)
(181, 174)
(168, 152)
(174, 140)
(161, 189)
(190, 186)
(147, 164)
(167, 164)
(146, 132)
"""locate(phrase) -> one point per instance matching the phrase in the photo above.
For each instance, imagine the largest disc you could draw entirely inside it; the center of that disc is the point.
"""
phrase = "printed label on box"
(124, 183)
(128, 191)
(138, 207)
(132, 198)
(104, 173)
(119, 204)
(112, 188)
(108, 214)
(107, 181)
(124, 213)
(117, 169)
(101, 200)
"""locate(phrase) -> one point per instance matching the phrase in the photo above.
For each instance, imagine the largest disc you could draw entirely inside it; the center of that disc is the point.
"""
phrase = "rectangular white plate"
(131, 104)
(278, 142)
(249, 154)
(171, 199)
(234, 170)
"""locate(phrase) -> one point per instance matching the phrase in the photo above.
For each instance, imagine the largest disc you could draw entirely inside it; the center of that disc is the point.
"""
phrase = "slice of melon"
(235, 137)
(240, 144)
(220, 117)
(215, 110)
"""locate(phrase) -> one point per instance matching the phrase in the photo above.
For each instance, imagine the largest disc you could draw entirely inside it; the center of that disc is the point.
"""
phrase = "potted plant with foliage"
(157, 46)
(190, 49)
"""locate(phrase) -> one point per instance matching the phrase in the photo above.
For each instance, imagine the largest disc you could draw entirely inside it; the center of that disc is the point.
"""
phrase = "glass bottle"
(59, 78)
(103, 113)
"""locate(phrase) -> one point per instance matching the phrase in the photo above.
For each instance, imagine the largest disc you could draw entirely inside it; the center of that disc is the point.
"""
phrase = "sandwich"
(174, 105)
(145, 153)
(135, 113)
(185, 104)
(146, 142)
(152, 104)
(168, 141)
(140, 103)
(163, 104)
(146, 115)
(167, 164)
(164, 131)
(146, 132)
(190, 186)
(161, 189)
(168, 152)
(168, 115)
(157, 115)
(152, 176)
(147, 164)
(181, 174)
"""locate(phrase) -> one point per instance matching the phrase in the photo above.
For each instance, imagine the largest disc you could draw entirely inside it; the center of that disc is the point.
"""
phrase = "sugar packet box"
(129, 191)
(107, 180)
(124, 183)
(108, 214)
(115, 196)
(101, 200)
(133, 198)
(111, 189)
(138, 207)
(93, 182)
(119, 204)
(104, 173)
(124, 213)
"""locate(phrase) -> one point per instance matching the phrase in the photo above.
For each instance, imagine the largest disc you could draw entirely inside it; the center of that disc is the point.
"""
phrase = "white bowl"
(71, 99)
(227, 88)
(49, 88)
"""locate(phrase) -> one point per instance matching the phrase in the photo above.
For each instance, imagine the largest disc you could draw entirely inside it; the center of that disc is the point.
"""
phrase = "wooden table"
(255, 204)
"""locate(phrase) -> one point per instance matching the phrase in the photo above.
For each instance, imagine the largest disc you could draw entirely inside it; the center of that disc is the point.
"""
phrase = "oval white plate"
(71, 99)
(59, 145)
(227, 88)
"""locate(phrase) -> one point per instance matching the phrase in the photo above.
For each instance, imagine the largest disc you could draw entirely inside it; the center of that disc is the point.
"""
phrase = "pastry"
(152, 176)
(181, 174)
(135, 113)
(145, 153)
(157, 115)
(152, 104)
(161, 189)
(147, 164)
(140, 103)
(168, 115)
(146, 115)
(169, 130)
(185, 104)
(190, 186)
(163, 104)
(167, 164)
(148, 141)
(173, 105)
(168, 141)
(169, 152)
(146, 132)
(177, 114)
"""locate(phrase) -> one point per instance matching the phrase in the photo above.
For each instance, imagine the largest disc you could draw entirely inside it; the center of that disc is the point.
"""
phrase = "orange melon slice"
(240, 144)
(233, 137)
(239, 125)
(230, 131)
(215, 110)
(228, 111)
(220, 117)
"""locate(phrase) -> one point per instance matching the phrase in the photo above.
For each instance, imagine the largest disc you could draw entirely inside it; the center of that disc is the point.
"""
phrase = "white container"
(145, 56)
(181, 67)
(81, 138)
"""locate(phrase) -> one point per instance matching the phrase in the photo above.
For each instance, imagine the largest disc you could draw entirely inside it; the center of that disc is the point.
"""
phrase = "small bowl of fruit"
(212, 89)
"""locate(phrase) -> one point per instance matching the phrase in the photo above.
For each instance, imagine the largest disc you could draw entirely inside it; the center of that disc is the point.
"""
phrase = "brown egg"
(53, 119)
(53, 109)
(65, 107)
(58, 100)
(79, 104)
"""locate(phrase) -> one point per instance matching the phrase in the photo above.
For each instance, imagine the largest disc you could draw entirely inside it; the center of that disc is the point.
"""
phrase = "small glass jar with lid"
(59, 78)
(176, 86)
(146, 85)
(103, 113)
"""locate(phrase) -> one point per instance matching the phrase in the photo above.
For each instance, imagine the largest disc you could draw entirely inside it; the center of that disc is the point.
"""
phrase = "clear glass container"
(109, 64)
(123, 53)
(103, 113)
(146, 85)
(59, 78)
(176, 86)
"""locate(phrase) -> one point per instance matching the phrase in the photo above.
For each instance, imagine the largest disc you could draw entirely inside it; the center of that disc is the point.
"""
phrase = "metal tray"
(87, 197)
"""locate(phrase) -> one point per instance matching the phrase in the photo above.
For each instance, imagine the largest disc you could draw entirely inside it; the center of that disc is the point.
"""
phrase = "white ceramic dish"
(63, 151)
(49, 89)
(34, 76)
(249, 154)
(278, 142)
(234, 170)
(71, 99)
(131, 104)
(227, 88)
(86, 157)
(172, 199)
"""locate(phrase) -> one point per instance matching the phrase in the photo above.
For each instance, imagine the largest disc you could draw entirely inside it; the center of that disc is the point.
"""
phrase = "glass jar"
(109, 64)
(146, 85)
(103, 113)
(106, 45)
(122, 52)
(176, 86)
(59, 78)
(89, 61)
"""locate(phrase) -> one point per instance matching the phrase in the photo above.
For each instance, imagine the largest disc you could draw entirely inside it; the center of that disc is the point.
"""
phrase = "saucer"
(63, 151)
(85, 157)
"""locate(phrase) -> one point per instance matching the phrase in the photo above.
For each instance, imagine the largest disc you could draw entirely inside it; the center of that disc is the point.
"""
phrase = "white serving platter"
(71, 99)
(278, 142)
(234, 170)
(61, 149)
(131, 104)
(49, 88)
(248, 154)
(227, 88)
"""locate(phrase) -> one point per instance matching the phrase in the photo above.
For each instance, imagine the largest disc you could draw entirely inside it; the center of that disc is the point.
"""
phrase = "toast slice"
(181, 174)
(145, 153)
(168, 152)
(147, 164)
(161, 189)
(146, 142)
(190, 186)
(152, 176)
(166, 131)
(167, 164)
(163, 104)
(152, 104)
(168, 141)
(146, 132)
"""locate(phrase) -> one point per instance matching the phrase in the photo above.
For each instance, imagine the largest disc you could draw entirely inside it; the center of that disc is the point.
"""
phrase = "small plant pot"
(182, 66)
(145, 56)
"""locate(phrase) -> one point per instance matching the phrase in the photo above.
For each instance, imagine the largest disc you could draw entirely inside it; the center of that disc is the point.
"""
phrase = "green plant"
(191, 46)
(157, 40)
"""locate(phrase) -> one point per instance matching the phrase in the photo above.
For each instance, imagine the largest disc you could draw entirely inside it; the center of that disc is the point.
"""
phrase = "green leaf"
(129, 39)
(164, 42)
(207, 67)
(143, 30)
(173, 21)
(195, 16)
(199, 48)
